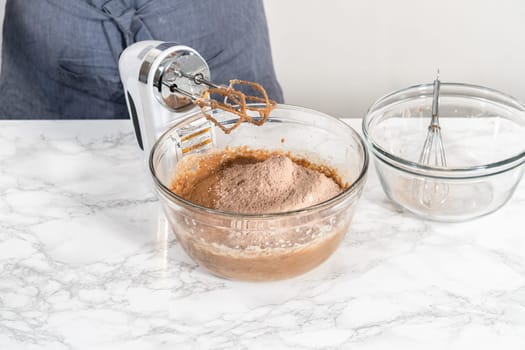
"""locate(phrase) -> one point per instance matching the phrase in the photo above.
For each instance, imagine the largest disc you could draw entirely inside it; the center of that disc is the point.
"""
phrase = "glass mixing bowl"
(266, 246)
(483, 133)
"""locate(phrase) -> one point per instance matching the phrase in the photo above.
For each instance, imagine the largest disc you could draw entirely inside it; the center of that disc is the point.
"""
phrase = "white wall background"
(338, 56)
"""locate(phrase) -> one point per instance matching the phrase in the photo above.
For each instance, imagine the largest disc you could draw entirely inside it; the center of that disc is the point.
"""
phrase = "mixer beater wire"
(235, 101)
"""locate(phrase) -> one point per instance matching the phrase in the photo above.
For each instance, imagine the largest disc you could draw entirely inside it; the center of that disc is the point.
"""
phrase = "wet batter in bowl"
(241, 180)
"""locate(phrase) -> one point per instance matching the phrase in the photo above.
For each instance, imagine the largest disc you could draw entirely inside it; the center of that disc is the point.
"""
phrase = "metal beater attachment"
(181, 80)
(197, 79)
(178, 78)
(253, 108)
(433, 192)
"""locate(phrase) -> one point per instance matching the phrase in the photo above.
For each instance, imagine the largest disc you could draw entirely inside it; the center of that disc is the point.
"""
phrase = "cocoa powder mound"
(274, 185)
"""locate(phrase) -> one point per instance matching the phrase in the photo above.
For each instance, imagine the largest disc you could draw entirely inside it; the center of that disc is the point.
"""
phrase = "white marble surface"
(86, 263)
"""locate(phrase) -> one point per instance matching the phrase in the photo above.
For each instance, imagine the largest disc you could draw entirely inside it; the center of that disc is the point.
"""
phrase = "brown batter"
(257, 249)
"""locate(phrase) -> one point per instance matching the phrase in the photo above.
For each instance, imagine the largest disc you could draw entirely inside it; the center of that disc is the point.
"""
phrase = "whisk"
(431, 192)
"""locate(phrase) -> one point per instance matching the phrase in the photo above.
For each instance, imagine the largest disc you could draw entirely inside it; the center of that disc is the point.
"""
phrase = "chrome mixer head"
(179, 79)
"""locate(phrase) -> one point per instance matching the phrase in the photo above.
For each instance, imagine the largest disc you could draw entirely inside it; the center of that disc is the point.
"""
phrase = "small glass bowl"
(242, 246)
(483, 133)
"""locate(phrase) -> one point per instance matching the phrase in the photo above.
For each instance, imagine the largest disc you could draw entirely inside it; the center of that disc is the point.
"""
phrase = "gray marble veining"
(87, 262)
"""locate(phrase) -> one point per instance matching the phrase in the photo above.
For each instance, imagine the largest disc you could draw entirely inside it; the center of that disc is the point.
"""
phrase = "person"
(60, 57)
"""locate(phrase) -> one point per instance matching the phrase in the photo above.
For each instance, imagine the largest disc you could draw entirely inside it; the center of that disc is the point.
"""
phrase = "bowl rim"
(351, 190)
(442, 172)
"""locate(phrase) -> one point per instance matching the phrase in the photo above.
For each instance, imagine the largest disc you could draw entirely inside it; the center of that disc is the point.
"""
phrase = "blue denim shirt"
(60, 57)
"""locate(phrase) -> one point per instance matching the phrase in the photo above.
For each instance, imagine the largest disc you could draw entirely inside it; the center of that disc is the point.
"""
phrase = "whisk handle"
(435, 102)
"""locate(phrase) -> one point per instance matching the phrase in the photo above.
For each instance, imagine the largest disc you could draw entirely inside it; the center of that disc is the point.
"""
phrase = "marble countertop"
(87, 262)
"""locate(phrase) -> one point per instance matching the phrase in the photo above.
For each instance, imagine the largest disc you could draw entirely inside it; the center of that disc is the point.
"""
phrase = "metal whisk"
(431, 192)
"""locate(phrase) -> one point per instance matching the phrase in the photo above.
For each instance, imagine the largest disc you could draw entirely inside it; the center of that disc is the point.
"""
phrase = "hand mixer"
(161, 81)
(164, 82)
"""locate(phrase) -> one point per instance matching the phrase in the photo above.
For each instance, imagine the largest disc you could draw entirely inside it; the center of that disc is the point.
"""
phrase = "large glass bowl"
(483, 133)
(241, 246)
